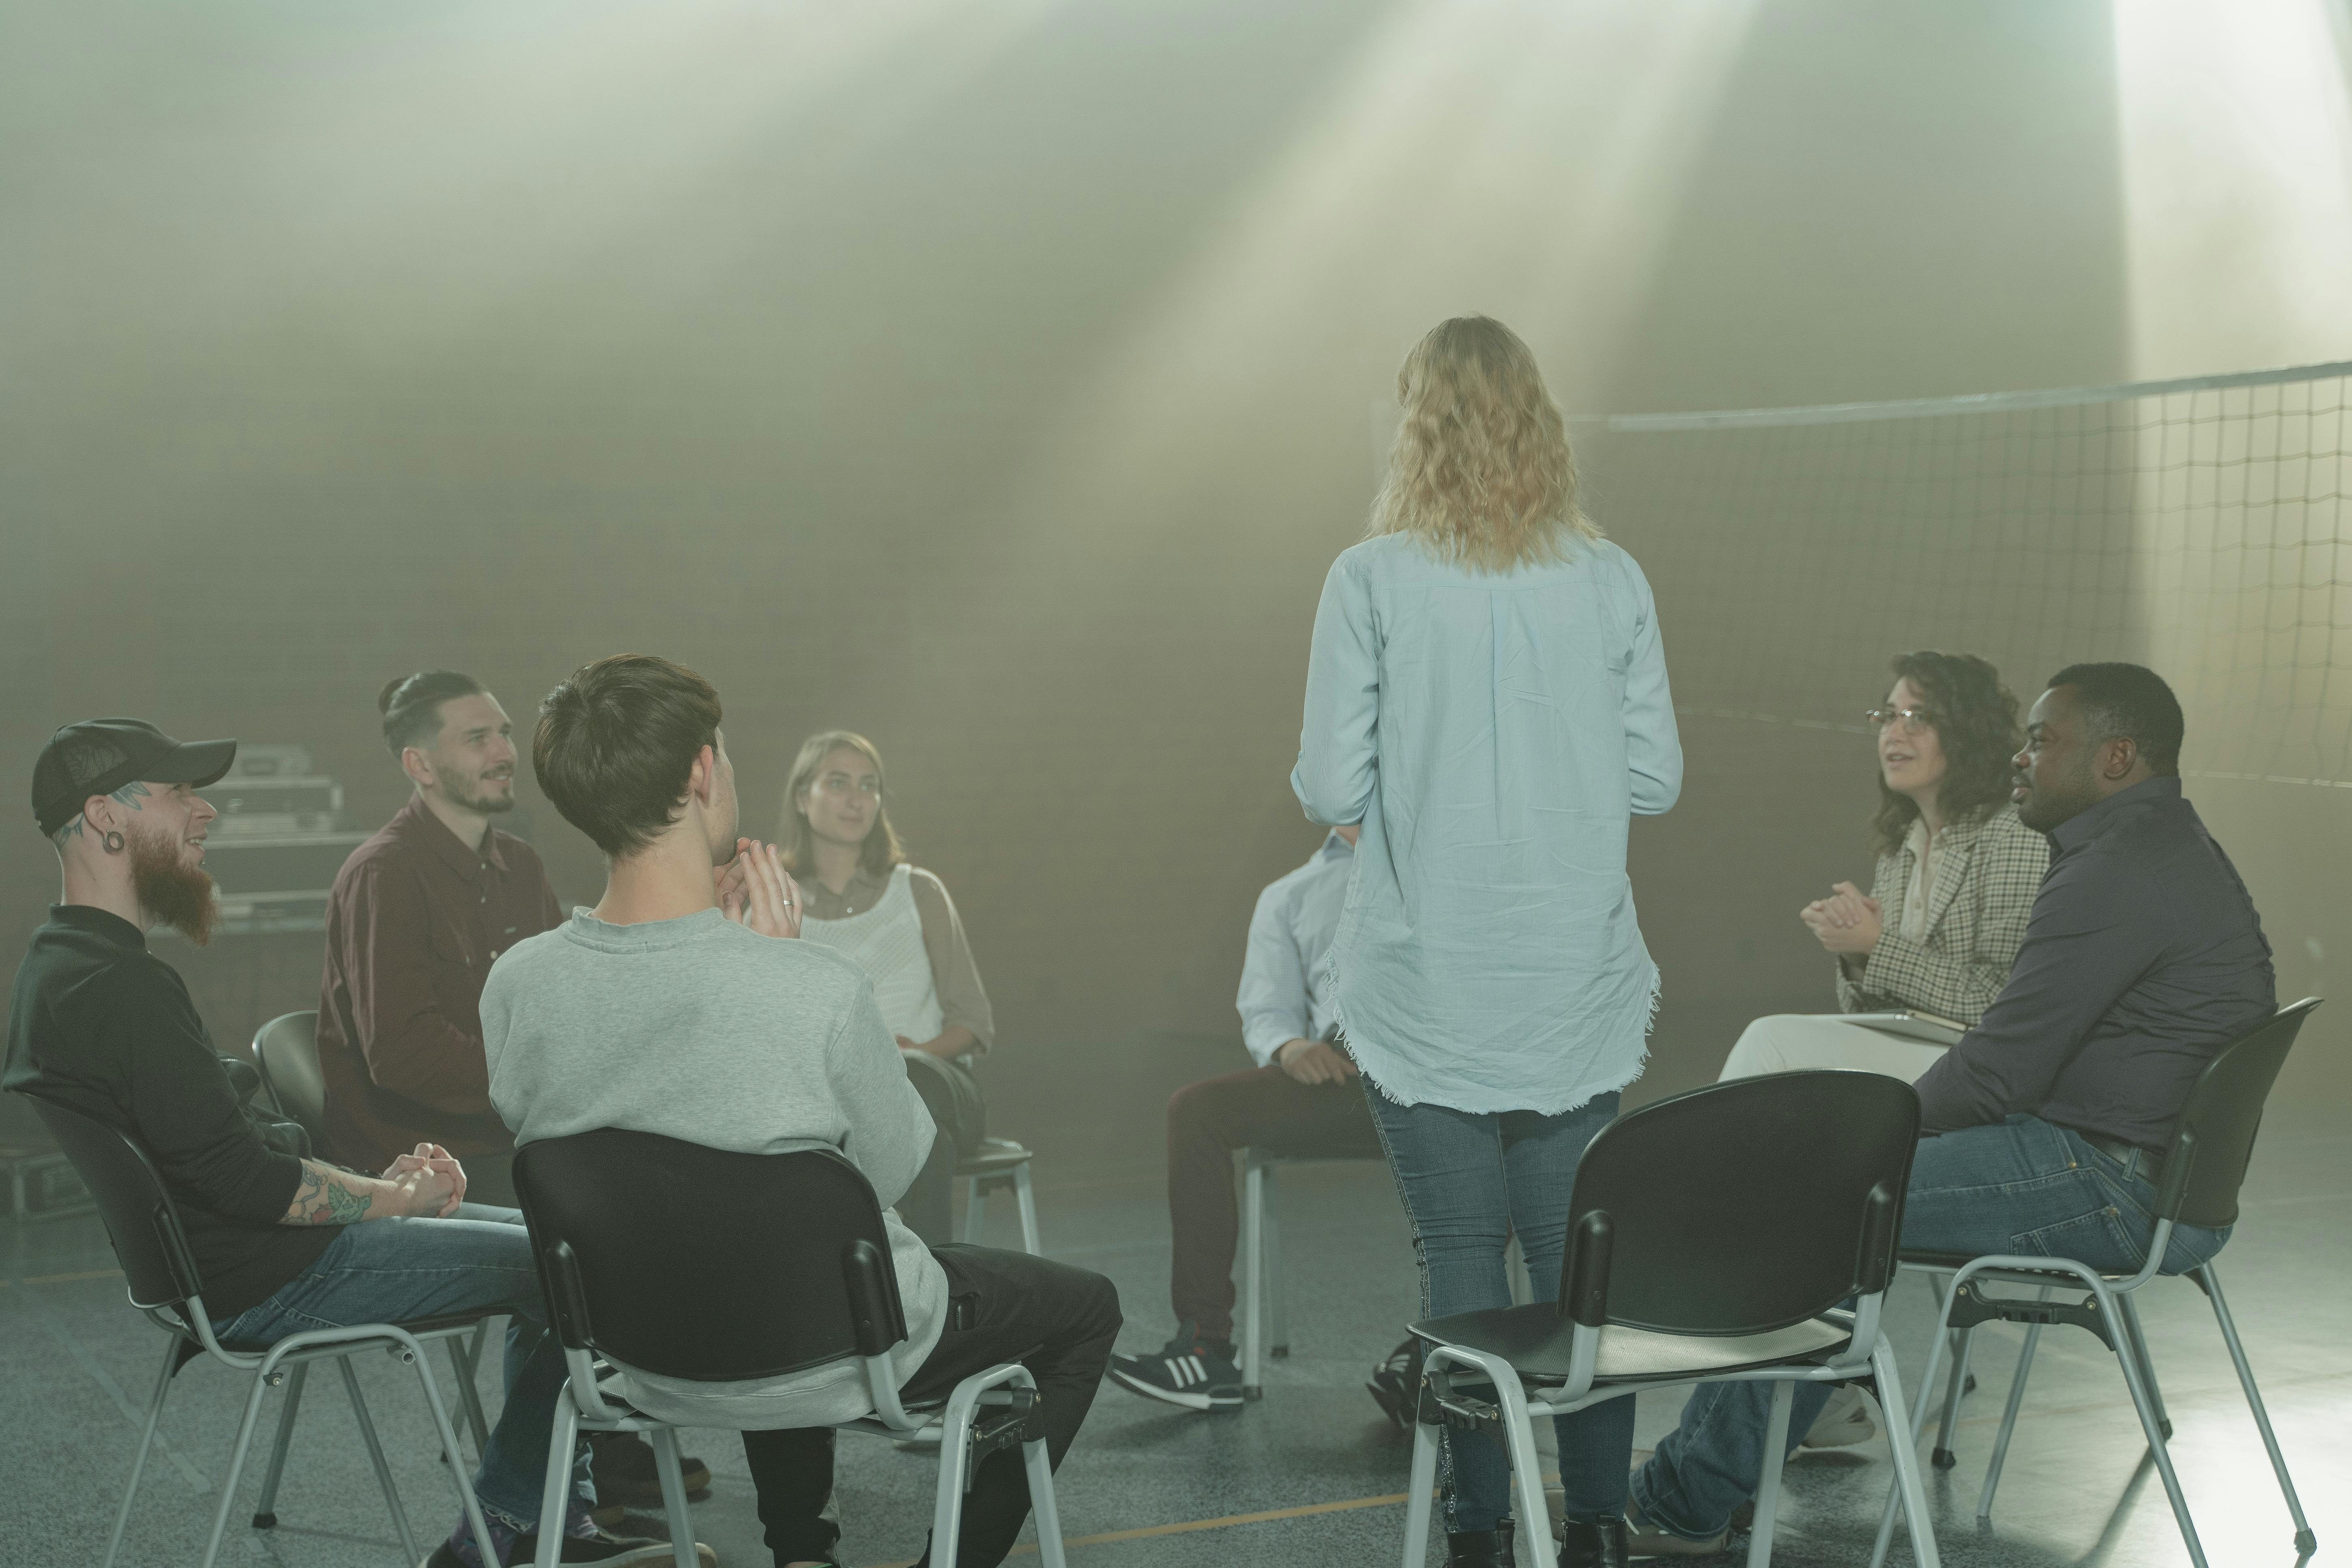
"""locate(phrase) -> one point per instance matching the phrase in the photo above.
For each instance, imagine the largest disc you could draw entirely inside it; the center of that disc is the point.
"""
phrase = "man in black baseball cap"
(100, 1024)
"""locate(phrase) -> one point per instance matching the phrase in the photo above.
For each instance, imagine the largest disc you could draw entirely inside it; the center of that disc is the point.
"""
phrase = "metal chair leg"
(2305, 1541)
(975, 1211)
(1897, 1494)
(672, 1487)
(146, 1446)
(236, 1468)
(1027, 1199)
(955, 1464)
(1278, 1286)
(2145, 1406)
(1768, 1489)
(2128, 1312)
(264, 1514)
(468, 1504)
(375, 1453)
(561, 1443)
(1257, 1178)
(1417, 1494)
(1963, 1348)
(1909, 1487)
(2009, 1414)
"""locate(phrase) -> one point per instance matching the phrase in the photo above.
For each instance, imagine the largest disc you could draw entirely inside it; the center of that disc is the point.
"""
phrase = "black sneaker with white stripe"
(1193, 1371)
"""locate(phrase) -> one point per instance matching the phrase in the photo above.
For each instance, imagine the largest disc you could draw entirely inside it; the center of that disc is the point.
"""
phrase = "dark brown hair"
(411, 705)
(882, 848)
(1975, 719)
(616, 746)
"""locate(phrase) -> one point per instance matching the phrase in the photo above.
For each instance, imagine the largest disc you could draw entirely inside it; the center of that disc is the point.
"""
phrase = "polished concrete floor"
(1312, 1475)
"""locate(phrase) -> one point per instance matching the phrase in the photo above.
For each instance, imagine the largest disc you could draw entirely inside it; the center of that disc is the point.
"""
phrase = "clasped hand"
(755, 891)
(1313, 1061)
(433, 1179)
(1846, 921)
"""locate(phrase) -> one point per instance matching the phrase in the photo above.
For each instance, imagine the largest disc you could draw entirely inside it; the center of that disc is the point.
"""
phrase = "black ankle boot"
(1598, 1545)
(1472, 1549)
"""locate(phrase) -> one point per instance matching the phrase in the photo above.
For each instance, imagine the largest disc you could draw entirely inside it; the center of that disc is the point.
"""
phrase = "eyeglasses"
(1909, 718)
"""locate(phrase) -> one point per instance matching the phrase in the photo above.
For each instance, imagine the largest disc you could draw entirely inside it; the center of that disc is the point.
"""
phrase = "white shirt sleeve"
(1273, 999)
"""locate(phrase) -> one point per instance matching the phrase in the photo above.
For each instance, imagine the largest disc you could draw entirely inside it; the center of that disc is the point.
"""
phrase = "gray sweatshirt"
(699, 1029)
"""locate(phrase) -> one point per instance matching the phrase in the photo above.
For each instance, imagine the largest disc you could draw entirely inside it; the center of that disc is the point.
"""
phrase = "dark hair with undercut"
(411, 705)
(2128, 701)
(616, 746)
(1975, 719)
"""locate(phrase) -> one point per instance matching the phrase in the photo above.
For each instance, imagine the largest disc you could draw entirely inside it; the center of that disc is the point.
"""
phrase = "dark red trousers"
(1265, 1108)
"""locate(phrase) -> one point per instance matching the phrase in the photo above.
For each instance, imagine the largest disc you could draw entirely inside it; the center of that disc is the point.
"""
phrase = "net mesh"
(2196, 528)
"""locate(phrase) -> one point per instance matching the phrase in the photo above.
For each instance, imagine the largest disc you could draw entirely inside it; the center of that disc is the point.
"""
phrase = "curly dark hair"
(1975, 719)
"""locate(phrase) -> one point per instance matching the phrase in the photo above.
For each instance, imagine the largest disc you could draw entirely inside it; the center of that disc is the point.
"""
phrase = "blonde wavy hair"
(883, 847)
(1481, 472)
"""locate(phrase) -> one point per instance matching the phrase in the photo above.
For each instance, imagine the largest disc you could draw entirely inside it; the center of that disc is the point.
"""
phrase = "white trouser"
(1786, 1042)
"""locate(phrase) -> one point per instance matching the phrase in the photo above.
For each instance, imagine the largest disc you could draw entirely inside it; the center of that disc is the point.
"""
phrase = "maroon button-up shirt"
(416, 920)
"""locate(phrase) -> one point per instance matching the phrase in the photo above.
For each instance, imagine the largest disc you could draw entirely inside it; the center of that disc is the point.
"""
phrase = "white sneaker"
(1845, 1420)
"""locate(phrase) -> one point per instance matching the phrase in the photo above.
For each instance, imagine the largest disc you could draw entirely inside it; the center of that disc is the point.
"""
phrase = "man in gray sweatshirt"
(683, 1005)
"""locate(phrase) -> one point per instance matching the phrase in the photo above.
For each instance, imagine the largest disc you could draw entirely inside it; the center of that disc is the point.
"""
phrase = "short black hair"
(616, 746)
(411, 705)
(2130, 701)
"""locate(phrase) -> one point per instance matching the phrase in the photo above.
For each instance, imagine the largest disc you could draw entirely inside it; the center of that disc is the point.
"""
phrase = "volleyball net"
(2196, 526)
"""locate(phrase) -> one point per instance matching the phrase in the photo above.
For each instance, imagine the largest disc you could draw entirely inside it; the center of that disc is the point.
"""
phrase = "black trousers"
(1058, 1321)
(951, 1094)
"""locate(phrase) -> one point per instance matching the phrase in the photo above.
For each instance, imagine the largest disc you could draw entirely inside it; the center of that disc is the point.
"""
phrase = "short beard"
(176, 894)
(483, 806)
(2045, 808)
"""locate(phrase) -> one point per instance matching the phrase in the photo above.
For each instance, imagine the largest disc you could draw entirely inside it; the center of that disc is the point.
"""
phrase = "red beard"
(177, 894)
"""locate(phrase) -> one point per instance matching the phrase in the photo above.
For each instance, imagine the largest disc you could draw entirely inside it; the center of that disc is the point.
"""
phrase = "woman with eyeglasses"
(897, 920)
(1955, 879)
(1486, 694)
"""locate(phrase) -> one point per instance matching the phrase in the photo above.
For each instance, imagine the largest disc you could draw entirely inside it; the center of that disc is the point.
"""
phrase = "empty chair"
(1714, 1236)
(2198, 1185)
(794, 1274)
(999, 1164)
(144, 1224)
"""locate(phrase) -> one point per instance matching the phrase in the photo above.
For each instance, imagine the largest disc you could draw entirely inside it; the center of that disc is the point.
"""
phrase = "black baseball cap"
(98, 756)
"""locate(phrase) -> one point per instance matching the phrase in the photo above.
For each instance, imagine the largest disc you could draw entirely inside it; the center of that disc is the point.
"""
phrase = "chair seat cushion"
(1536, 1341)
(994, 1154)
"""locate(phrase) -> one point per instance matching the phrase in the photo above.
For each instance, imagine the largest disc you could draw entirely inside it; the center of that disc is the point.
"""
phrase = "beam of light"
(2237, 167)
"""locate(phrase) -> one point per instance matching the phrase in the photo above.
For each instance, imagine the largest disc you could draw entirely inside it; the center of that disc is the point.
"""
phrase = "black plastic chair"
(1715, 1237)
(144, 1225)
(2199, 1185)
(286, 1049)
(792, 1276)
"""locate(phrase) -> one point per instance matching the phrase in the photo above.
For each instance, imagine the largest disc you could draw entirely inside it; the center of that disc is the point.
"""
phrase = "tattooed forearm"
(328, 1197)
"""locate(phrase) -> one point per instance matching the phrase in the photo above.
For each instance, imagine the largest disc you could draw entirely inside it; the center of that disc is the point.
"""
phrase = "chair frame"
(188, 1325)
(2108, 1310)
(995, 1168)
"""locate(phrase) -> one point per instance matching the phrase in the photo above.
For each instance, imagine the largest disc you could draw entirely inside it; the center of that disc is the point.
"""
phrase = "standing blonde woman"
(1488, 696)
(897, 920)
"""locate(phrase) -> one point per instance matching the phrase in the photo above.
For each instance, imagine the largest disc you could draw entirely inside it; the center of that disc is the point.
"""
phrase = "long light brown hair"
(1481, 471)
(882, 848)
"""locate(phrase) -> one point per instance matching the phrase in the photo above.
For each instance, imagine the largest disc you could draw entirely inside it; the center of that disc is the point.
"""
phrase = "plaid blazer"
(1987, 876)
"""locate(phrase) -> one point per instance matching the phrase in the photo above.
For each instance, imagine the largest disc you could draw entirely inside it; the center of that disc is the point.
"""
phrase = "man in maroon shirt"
(418, 915)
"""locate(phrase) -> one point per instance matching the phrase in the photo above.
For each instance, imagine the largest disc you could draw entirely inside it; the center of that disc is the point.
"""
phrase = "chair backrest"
(2216, 1135)
(1743, 1207)
(286, 1049)
(140, 1216)
(702, 1264)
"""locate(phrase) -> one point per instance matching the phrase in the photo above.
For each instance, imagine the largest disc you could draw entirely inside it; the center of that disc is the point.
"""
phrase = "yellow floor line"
(1186, 1526)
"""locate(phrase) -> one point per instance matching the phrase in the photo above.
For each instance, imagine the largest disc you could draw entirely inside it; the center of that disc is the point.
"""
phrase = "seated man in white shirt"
(1302, 1099)
(677, 1007)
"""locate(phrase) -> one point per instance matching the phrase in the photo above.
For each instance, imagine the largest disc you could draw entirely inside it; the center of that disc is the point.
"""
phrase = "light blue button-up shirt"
(1495, 733)
(1284, 994)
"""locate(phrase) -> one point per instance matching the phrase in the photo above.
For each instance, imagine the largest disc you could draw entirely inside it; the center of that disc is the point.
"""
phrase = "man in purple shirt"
(2047, 1124)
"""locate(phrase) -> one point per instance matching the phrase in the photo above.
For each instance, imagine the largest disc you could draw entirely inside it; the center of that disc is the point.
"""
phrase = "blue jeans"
(386, 1270)
(2020, 1186)
(1469, 1181)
